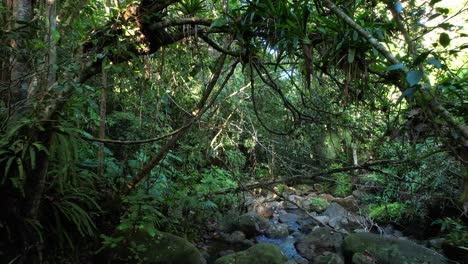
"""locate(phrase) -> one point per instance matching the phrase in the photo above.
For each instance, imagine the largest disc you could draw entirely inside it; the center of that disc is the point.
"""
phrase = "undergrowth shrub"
(454, 230)
(406, 193)
(388, 212)
(342, 183)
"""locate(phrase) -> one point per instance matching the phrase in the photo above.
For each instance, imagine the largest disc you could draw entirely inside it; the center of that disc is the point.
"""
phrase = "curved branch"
(217, 47)
(181, 21)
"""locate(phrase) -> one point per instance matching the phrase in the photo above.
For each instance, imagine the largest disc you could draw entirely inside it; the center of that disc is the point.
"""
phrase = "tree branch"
(433, 104)
(130, 185)
(300, 178)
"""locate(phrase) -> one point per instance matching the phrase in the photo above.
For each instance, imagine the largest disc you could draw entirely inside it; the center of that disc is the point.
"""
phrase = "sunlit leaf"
(435, 62)
(398, 7)
(395, 67)
(351, 55)
(413, 77)
(444, 39)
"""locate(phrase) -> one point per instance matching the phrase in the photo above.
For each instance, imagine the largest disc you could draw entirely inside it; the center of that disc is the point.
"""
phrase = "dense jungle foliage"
(122, 116)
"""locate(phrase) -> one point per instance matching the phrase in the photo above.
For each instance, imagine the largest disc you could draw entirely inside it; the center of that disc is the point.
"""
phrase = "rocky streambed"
(283, 232)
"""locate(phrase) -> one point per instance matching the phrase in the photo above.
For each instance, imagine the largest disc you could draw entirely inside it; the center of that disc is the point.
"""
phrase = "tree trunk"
(355, 155)
(102, 124)
(22, 13)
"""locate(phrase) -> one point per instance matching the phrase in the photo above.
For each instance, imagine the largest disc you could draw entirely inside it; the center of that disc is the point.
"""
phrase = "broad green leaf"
(40, 147)
(421, 58)
(32, 156)
(445, 26)
(55, 35)
(435, 62)
(444, 39)
(7, 168)
(395, 67)
(380, 34)
(398, 7)
(408, 93)
(413, 77)
(351, 55)
(442, 10)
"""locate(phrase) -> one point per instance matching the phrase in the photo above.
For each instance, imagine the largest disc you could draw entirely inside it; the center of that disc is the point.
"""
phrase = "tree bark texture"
(22, 14)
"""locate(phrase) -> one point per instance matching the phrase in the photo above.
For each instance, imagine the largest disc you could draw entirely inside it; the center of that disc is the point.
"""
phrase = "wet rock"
(436, 242)
(335, 210)
(349, 203)
(385, 250)
(323, 219)
(253, 224)
(327, 197)
(264, 253)
(360, 230)
(237, 237)
(319, 241)
(288, 217)
(292, 201)
(277, 231)
(265, 210)
(162, 248)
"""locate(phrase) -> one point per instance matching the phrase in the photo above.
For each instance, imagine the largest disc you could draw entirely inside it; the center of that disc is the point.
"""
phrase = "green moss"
(318, 204)
(388, 250)
(329, 259)
(259, 254)
(162, 248)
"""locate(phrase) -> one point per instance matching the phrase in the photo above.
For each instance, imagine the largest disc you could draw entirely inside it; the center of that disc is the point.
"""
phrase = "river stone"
(162, 248)
(323, 219)
(277, 231)
(335, 210)
(359, 258)
(253, 224)
(265, 210)
(330, 258)
(349, 203)
(385, 250)
(327, 197)
(288, 217)
(234, 237)
(320, 240)
(264, 253)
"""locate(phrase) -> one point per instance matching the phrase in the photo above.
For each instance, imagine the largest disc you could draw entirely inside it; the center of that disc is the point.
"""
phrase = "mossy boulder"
(264, 253)
(163, 248)
(253, 224)
(318, 242)
(384, 250)
(331, 258)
